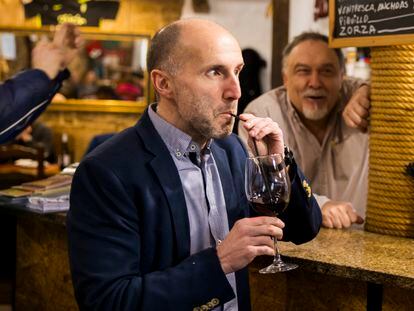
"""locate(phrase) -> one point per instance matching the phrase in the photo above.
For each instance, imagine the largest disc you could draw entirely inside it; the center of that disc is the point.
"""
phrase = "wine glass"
(267, 187)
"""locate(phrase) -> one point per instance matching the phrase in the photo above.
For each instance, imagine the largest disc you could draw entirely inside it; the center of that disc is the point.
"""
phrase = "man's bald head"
(168, 48)
(163, 49)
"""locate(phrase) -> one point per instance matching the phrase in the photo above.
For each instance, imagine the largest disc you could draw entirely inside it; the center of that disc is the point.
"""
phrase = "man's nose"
(232, 90)
(314, 80)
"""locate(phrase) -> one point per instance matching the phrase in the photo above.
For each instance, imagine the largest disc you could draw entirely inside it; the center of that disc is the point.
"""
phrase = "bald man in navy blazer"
(136, 238)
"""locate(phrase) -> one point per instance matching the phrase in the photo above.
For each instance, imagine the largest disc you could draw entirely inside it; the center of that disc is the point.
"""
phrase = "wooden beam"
(280, 37)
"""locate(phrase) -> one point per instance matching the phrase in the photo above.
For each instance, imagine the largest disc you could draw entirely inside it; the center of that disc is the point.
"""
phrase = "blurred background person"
(130, 86)
(88, 86)
(38, 134)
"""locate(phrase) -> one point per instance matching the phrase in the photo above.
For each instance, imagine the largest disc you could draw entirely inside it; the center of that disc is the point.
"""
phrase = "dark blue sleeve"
(23, 98)
(303, 216)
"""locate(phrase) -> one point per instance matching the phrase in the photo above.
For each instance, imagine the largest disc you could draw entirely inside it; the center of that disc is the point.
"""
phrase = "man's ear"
(162, 83)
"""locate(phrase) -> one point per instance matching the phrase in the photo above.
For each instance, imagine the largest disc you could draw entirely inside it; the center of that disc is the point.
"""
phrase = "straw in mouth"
(235, 116)
(254, 140)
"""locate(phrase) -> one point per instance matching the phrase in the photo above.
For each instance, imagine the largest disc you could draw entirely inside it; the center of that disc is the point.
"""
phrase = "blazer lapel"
(165, 170)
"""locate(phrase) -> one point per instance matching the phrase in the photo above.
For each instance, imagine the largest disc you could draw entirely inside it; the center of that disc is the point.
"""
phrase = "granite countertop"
(350, 253)
(357, 254)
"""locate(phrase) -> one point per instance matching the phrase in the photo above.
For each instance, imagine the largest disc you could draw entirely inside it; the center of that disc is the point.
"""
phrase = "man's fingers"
(361, 111)
(349, 118)
(354, 120)
(259, 127)
(65, 36)
(355, 218)
(265, 220)
(264, 250)
(345, 219)
(339, 215)
(262, 241)
(331, 218)
(336, 221)
(254, 125)
(327, 222)
(260, 226)
(357, 110)
(364, 102)
(60, 35)
(266, 230)
(265, 132)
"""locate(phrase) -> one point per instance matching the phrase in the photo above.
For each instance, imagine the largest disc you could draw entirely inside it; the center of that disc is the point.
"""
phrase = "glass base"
(278, 267)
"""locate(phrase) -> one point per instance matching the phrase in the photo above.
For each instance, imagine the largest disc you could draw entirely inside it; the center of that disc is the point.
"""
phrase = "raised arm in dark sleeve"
(303, 216)
(23, 98)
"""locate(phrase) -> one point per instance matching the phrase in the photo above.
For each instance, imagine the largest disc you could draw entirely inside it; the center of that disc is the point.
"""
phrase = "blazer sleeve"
(23, 98)
(105, 236)
(303, 216)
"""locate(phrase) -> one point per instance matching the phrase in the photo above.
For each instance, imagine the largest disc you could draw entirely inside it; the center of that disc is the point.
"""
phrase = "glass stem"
(276, 258)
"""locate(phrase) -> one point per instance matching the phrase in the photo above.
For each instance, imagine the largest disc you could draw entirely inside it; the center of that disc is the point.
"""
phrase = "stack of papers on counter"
(45, 195)
(49, 204)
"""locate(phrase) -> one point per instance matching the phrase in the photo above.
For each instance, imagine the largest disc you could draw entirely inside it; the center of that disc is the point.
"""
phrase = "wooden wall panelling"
(143, 16)
(81, 127)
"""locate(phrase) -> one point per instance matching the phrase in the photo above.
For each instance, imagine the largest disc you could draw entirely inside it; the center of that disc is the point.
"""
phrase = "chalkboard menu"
(371, 22)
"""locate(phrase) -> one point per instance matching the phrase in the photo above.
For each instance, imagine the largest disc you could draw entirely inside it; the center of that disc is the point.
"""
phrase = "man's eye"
(302, 71)
(214, 72)
(327, 72)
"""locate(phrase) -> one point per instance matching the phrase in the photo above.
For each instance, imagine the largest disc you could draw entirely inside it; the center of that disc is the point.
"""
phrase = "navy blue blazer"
(128, 229)
(23, 98)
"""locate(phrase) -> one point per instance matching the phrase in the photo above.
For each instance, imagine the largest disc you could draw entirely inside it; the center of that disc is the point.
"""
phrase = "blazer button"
(215, 301)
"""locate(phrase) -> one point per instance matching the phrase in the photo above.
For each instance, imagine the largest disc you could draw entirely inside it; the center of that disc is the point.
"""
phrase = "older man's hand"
(356, 112)
(338, 215)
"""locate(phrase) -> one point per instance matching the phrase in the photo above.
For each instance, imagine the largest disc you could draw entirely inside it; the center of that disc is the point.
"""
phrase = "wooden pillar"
(280, 37)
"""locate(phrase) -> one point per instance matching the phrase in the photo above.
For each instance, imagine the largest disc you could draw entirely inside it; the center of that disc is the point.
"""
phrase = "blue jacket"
(23, 98)
(128, 229)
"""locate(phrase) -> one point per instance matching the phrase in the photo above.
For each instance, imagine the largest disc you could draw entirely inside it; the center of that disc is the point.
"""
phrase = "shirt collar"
(178, 143)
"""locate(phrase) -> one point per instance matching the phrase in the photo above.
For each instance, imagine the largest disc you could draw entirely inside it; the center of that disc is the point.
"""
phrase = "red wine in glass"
(269, 209)
(267, 187)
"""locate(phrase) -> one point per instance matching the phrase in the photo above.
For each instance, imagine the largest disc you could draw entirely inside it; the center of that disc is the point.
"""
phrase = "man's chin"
(222, 133)
(315, 114)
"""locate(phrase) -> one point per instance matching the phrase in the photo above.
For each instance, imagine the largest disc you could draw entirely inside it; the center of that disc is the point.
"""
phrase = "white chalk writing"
(357, 30)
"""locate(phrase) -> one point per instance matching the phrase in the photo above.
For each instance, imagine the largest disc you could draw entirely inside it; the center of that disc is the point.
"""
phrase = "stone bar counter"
(348, 269)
